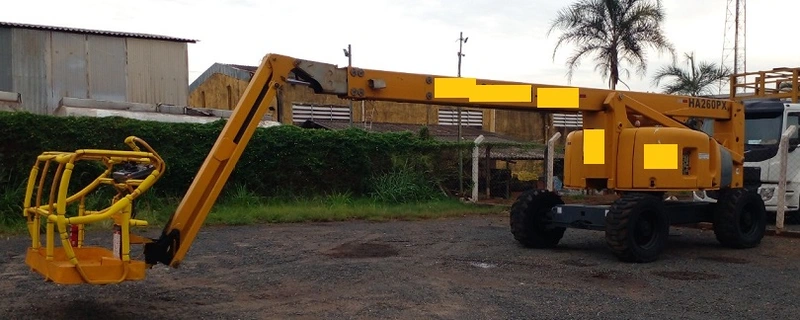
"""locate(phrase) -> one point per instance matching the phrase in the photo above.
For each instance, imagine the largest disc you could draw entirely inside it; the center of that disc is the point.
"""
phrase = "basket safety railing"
(72, 262)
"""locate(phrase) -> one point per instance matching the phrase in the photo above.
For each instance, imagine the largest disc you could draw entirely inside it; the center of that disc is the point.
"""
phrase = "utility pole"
(349, 54)
(461, 42)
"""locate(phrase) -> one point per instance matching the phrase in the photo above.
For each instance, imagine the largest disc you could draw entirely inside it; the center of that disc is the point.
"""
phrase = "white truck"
(765, 121)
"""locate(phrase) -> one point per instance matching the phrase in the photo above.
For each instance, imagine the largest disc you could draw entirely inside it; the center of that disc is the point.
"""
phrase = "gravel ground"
(464, 268)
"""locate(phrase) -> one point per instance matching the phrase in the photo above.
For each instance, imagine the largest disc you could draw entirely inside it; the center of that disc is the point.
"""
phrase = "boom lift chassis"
(636, 225)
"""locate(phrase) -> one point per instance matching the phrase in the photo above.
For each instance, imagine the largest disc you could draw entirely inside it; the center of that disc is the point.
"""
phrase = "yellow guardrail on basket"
(130, 173)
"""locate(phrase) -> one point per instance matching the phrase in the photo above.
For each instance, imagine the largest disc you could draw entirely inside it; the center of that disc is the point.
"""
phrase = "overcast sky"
(506, 42)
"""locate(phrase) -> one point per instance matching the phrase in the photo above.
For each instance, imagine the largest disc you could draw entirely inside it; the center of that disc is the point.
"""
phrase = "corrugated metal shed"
(68, 68)
(147, 112)
(6, 83)
(97, 32)
(107, 56)
(157, 72)
(45, 64)
(29, 65)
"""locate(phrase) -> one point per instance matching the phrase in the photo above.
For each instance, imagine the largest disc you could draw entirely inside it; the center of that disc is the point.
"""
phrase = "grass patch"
(240, 207)
(13, 227)
(318, 210)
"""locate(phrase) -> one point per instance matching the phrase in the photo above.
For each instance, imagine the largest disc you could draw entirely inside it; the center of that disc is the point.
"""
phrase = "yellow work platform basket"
(65, 216)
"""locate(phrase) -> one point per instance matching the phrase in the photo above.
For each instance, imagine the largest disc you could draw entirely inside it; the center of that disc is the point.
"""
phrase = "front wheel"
(530, 219)
(637, 227)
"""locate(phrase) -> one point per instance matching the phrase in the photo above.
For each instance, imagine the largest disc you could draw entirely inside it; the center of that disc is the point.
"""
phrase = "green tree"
(616, 32)
(698, 79)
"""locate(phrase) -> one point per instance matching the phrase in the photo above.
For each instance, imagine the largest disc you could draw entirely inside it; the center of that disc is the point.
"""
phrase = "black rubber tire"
(529, 216)
(740, 219)
(637, 227)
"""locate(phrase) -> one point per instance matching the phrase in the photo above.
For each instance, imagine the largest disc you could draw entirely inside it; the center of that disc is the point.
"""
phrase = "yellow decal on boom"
(455, 88)
(661, 156)
(594, 146)
(557, 98)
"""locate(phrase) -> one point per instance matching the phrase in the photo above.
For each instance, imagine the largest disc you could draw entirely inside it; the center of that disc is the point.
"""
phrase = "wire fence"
(501, 170)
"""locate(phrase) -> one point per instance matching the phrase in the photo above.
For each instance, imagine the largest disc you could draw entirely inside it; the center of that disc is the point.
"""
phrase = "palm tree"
(616, 32)
(697, 80)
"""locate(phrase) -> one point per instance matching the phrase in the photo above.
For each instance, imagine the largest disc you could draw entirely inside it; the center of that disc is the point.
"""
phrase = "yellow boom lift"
(640, 145)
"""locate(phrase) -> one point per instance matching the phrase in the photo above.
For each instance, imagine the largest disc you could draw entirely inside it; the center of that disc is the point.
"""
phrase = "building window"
(303, 112)
(469, 118)
(202, 99)
(230, 98)
(567, 120)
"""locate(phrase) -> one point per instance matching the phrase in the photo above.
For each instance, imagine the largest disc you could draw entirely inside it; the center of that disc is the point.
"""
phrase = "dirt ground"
(460, 268)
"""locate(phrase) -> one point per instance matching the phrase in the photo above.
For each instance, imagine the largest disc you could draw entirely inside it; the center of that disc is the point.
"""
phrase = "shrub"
(281, 161)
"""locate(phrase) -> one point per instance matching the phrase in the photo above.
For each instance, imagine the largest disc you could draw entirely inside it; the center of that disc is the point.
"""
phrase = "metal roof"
(98, 32)
(220, 68)
(442, 132)
(241, 72)
(252, 69)
(245, 68)
(446, 133)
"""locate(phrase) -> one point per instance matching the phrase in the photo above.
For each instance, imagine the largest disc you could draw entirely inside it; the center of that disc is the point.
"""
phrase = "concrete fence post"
(475, 161)
(549, 162)
(783, 153)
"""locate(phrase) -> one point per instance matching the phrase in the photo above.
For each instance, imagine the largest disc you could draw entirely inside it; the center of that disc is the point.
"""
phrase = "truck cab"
(765, 121)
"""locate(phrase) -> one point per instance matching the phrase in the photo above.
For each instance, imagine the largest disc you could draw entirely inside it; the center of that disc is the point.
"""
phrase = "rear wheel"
(637, 227)
(530, 219)
(740, 219)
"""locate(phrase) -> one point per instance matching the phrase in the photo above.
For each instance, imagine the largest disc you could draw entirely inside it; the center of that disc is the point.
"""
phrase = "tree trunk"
(614, 72)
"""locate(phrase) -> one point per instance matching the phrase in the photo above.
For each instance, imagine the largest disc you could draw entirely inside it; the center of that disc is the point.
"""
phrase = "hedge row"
(279, 161)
